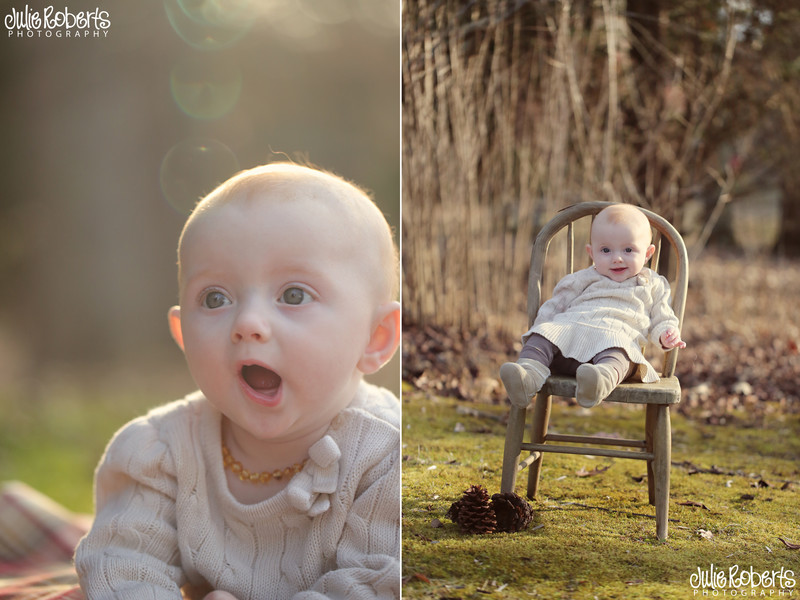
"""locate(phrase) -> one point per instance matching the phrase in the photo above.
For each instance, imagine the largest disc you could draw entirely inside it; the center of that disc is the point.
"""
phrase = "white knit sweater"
(590, 312)
(166, 520)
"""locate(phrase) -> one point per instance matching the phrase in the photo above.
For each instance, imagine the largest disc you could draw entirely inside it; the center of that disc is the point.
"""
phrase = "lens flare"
(204, 88)
(193, 168)
(209, 24)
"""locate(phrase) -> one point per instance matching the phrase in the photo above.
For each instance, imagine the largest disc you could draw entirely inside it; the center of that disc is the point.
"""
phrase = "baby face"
(619, 250)
(276, 310)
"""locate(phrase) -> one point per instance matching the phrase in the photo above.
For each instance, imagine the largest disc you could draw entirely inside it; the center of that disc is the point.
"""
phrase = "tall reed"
(512, 110)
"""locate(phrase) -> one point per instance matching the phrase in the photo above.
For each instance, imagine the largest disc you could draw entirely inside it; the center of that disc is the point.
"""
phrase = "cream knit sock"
(595, 383)
(523, 379)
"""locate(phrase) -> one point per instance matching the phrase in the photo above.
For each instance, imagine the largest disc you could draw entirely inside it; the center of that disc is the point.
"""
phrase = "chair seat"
(665, 391)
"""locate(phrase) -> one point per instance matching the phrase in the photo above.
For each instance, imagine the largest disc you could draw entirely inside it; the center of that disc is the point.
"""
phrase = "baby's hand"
(219, 595)
(671, 338)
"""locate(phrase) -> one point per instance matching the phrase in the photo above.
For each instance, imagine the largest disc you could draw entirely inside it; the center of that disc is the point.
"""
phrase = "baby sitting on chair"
(599, 319)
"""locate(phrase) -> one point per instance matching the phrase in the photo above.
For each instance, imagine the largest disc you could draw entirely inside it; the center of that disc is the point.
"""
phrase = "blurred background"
(111, 134)
(514, 110)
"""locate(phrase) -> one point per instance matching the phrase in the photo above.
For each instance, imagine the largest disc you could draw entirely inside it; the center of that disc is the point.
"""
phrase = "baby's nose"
(251, 325)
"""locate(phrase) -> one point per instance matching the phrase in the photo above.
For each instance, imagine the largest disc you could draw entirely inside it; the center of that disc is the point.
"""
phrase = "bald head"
(625, 214)
(347, 210)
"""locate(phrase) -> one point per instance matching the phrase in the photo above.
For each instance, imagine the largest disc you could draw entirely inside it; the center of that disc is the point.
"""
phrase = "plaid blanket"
(37, 540)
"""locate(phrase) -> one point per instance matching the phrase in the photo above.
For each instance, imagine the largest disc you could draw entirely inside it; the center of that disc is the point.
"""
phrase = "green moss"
(593, 536)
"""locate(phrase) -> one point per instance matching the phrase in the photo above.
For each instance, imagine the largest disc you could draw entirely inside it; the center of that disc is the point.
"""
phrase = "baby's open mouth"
(261, 379)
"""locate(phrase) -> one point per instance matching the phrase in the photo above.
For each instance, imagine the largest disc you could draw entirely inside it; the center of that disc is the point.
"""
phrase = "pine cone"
(473, 512)
(512, 512)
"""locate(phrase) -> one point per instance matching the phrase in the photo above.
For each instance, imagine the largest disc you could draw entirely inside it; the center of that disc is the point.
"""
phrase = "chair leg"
(662, 447)
(541, 417)
(511, 451)
(649, 433)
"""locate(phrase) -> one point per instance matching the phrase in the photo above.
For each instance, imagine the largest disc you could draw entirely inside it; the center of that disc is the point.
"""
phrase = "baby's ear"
(650, 251)
(384, 339)
(174, 317)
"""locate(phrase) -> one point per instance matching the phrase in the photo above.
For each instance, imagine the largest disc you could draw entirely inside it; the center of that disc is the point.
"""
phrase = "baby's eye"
(605, 250)
(628, 249)
(295, 296)
(215, 299)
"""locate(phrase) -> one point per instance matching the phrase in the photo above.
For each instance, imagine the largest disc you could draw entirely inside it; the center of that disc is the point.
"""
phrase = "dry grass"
(513, 110)
(751, 297)
(743, 334)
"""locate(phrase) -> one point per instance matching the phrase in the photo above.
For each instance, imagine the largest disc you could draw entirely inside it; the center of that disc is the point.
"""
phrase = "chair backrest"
(664, 231)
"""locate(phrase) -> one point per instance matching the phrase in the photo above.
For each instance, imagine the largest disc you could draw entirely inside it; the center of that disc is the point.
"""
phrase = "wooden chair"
(655, 448)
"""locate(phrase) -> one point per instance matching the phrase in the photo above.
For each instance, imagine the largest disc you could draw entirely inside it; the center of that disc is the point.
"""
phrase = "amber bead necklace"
(265, 476)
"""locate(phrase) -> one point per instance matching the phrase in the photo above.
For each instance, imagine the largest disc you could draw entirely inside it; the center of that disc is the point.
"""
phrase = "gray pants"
(542, 350)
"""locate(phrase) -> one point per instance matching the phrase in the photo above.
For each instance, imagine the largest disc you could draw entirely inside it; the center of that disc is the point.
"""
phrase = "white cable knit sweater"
(590, 312)
(165, 518)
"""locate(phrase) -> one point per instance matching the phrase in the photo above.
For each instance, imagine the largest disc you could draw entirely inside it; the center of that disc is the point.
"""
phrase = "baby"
(280, 477)
(599, 319)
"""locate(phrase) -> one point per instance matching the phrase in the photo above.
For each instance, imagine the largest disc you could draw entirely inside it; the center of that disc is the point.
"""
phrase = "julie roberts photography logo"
(741, 582)
(57, 22)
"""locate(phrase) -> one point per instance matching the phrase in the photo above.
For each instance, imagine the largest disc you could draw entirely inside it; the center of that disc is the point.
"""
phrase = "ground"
(735, 463)
(733, 504)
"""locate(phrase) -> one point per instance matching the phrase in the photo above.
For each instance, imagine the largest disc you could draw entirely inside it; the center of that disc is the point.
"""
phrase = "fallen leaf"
(421, 577)
(638, 479)
(786, 485)
(693, 469)
(584, 473)
(747, 497)
(705, 534)
(760, 484)
(436, 523)
(790, 546)
(693, 504)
